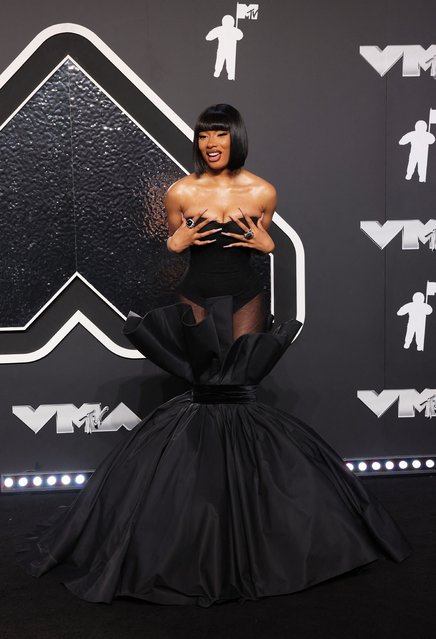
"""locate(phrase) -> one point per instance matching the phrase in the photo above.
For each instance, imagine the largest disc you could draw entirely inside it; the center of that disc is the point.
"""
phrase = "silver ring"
(190, 223)
(249, 234)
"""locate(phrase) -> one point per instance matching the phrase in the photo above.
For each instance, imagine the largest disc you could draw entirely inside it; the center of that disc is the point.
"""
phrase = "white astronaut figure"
(417, 310)
(419, 140)
(227, 36)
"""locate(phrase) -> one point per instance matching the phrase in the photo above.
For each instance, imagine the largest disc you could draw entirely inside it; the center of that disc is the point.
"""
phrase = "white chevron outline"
(68, 58)
(75, 275)
(300, 279)
(79, 317)
(69, 27)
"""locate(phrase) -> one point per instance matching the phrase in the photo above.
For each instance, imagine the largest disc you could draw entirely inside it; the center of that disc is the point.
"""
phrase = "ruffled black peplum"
(214, 496)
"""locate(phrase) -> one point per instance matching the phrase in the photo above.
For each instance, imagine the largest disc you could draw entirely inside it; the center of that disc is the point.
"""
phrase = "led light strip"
(75, 480)
(37, 482)
(404, 465)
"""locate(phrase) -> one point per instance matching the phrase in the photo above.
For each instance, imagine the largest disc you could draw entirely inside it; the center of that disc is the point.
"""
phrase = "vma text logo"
(415, 58)
(68, 417)
(413, 233)
(409, 401)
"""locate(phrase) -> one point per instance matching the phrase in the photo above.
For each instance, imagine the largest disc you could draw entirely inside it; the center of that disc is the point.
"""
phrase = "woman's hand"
(260, 240)
(185, 236)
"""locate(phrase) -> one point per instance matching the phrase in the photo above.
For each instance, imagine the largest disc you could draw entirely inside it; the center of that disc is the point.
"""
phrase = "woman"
(215, 496)
(236, 205)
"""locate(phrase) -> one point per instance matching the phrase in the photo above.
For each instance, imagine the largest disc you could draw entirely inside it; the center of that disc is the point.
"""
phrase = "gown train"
(214, 496)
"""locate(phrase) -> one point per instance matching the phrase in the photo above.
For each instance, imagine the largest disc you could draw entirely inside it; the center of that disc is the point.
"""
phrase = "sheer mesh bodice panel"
(214, 270)
(250, 318)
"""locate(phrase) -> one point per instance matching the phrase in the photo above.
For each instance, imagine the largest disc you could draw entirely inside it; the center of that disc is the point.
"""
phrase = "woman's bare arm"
(269, 205)
(181, 236)
(174, 208)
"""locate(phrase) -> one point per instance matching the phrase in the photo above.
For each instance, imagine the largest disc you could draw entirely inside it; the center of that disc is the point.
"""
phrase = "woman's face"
(214, 146)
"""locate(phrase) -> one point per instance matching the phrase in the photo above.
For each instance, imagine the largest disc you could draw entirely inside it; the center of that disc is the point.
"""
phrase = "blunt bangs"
(212, 121)
(222, 117)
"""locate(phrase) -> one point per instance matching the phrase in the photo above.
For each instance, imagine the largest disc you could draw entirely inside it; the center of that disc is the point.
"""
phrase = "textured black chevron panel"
(36, 202)
(82, 189)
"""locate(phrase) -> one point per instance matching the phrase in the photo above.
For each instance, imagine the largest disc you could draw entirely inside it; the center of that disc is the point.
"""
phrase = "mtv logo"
(249, 11)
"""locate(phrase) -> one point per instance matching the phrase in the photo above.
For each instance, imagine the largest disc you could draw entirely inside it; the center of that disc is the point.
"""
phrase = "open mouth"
(213, 156)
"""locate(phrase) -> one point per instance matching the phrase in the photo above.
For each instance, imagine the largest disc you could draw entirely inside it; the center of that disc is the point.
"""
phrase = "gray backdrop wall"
(81, 192)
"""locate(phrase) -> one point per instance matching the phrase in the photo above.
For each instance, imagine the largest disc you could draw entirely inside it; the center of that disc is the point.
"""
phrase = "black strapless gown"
(215, 271)
(214, 496)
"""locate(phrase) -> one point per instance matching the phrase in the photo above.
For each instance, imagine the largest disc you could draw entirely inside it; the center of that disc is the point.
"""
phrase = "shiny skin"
(222, 195)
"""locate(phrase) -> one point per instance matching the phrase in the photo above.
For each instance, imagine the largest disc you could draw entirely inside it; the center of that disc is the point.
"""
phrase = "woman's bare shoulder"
(182, 188)
(185, 183)
(261, 185)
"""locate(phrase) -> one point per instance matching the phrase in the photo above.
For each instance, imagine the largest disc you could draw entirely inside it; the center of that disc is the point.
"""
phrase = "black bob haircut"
(222, 117)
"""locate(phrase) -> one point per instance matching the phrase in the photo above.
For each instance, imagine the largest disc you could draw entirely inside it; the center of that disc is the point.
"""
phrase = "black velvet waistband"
(224, 393)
